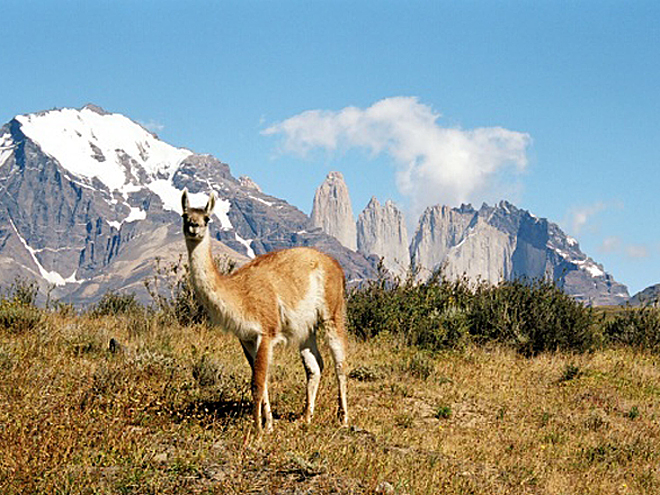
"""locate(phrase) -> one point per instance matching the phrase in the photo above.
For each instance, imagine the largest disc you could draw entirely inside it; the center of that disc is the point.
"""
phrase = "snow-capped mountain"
(88, 199)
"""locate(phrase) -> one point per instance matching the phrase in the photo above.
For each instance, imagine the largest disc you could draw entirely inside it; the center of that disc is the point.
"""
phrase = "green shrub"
(18, 318)
(114, 303)
(532, 316)
(636, 327)
(432, 315)
(443, 412)
(18, 312)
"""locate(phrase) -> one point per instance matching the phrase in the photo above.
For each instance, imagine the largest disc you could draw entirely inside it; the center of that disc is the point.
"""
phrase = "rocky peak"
(439, 229)
(503, 242)
(248, 183)
(647, 297)
(96, 109)
(332, 210)
(381, 230)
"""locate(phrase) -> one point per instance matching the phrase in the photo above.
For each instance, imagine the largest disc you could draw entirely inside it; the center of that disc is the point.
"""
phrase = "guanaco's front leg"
(260, 386)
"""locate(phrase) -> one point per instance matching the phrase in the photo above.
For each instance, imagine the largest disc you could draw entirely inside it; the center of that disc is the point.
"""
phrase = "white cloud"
(152, 126)
(615, 245)
(433, 164)
(582, 215)
(610, 244)
(637, 251)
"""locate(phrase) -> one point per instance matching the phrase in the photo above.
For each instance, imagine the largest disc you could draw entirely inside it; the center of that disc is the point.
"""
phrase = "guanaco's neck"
(199, 256)
(209, 284)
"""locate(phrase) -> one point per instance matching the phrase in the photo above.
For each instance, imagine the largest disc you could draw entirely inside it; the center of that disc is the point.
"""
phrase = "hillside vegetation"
(453, 389)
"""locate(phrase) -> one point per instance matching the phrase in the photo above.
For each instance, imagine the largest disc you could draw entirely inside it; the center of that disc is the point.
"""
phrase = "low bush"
(173, 294)
(532, 316)
(18, 311)
(115, 303)
(23, 291)
(18, 318)
(431, 315)
(636, 327)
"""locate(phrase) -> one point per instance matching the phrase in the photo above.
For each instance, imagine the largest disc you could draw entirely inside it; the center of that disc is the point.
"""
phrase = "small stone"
(114, 346)
(385, 488)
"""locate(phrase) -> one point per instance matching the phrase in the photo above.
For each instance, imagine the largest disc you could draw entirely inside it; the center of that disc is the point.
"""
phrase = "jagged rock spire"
(332, 210)
(381, 230)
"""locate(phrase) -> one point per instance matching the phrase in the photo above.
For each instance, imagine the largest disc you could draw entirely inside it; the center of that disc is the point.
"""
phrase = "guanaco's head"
(196, 220)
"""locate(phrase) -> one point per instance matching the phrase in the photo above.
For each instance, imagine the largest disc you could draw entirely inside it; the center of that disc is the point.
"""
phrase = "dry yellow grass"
(169, 413)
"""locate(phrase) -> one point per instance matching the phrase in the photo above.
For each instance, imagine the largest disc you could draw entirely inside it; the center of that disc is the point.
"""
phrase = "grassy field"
(167, 411)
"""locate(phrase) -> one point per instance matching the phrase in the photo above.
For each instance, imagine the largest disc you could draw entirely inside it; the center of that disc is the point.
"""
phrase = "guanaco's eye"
(206, 220)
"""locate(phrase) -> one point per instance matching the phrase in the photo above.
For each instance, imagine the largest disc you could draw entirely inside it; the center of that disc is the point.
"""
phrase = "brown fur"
(271, 299)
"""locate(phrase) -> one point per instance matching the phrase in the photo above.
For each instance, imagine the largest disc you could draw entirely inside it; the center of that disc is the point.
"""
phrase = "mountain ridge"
(490, 244)
(89, 197)
(70, 211)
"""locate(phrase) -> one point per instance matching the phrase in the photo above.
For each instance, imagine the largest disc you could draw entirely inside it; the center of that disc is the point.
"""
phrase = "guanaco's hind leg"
(335, 334)
(313, 363)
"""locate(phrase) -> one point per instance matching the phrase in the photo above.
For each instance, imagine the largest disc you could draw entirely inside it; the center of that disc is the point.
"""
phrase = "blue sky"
(553, 105)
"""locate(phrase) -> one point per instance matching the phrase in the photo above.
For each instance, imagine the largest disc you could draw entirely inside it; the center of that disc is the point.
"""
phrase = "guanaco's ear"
(210, 205)
(185, 204)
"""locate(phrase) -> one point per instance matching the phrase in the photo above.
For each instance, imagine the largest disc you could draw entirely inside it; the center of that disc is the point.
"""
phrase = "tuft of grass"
(206, 371)
(365, 374)
(443, 412)
(420, 365)
(570, 372)
(633, 413)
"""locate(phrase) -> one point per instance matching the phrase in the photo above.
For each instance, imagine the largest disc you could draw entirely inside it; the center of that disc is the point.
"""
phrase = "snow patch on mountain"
(589, 266)
(267, 203)
(51, 277)
(110, 147)
(171, 197)
(247, 243)
(6, 147)
(134, 215)
(586, 264)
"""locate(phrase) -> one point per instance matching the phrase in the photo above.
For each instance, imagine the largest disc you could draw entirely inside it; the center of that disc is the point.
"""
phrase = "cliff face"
(440, 228)
(491, 244)
(381, 230)
(332, 210)
(505, 243)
